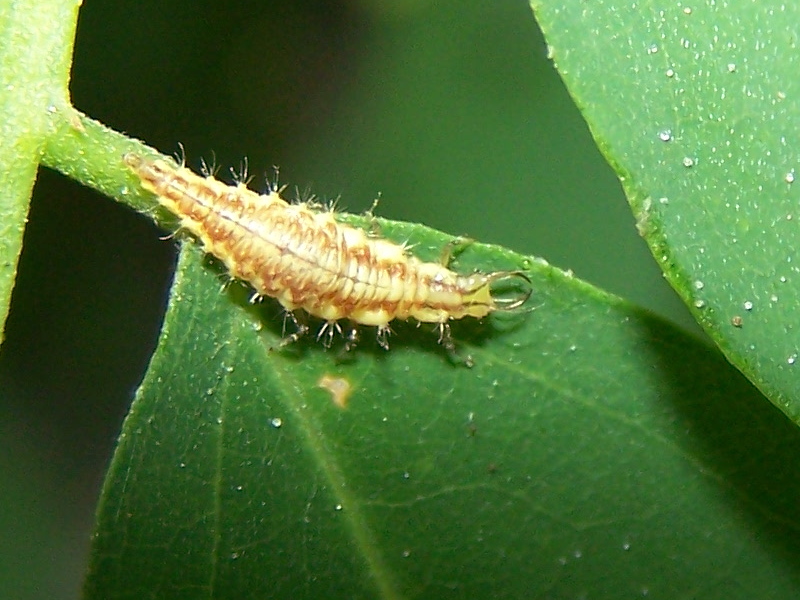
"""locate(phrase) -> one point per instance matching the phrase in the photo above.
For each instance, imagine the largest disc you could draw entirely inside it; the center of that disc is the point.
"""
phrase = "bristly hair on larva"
(307, 260)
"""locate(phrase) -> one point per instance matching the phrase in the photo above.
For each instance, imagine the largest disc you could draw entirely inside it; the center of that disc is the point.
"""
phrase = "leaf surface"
(696, 105)
(592, 450)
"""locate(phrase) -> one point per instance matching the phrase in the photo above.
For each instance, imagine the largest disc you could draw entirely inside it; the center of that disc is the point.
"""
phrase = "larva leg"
(351, 341)
(302, 329)
(452, 248)
(383, 336)
(327, 331)
(446, 340)
(226, 283)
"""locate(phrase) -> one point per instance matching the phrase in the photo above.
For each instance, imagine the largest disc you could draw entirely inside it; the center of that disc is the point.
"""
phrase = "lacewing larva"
(307, 260)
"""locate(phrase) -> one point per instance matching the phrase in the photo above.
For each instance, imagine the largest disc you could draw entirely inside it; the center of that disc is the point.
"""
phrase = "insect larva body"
(305, 259)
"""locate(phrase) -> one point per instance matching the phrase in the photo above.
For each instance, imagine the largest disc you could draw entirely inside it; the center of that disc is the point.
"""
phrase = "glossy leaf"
(591, 451)
(696, 105)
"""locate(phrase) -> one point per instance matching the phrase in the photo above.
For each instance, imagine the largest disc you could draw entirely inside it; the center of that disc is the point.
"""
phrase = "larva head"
(482, 294)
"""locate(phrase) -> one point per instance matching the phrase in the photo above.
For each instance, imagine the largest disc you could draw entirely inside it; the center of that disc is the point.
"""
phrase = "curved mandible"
(507, 304)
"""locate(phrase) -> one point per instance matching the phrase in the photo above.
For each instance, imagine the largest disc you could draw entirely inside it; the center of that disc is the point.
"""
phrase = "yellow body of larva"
(305, 259)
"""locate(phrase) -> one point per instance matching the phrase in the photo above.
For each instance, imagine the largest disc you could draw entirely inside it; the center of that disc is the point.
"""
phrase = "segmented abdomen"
(307, 260)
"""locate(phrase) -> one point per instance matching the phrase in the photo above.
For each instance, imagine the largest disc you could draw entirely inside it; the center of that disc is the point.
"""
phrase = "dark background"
(450, 110)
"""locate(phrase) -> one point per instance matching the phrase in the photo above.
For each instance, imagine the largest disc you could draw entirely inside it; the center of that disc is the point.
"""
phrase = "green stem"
(36, 41)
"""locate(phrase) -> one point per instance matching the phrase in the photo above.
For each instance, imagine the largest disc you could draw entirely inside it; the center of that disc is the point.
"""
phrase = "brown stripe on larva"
(305, 259)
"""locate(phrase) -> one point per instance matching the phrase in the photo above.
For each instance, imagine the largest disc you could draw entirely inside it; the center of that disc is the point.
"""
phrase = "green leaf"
(696, 105)
(591, 451)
